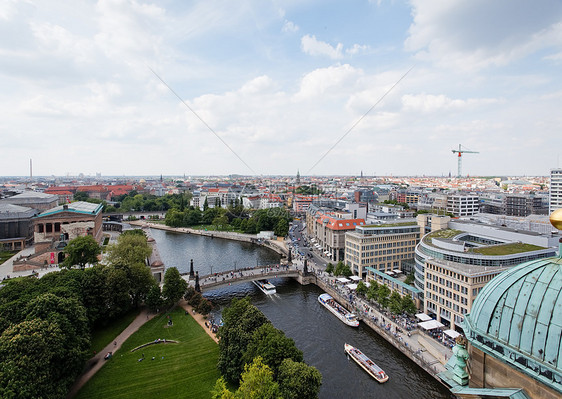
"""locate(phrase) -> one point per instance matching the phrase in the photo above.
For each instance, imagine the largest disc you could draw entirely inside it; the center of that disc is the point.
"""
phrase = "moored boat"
(338, 310)
(366, 364)
(266, 287)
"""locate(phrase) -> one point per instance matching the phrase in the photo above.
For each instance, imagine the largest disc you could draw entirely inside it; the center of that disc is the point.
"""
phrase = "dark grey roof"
(10, 211)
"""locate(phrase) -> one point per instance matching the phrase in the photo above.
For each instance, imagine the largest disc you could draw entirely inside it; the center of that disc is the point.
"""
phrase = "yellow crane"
(460, 151)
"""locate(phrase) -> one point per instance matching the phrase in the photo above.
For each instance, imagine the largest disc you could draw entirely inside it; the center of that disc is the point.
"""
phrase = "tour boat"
(341, 313)
(366, 364)
(266, 287)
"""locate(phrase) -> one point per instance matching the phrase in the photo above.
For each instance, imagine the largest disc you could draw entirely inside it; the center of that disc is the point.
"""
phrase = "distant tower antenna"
(30, 169)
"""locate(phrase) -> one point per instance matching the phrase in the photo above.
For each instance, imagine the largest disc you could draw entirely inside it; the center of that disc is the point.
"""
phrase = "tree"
(372, 291)
(154, 298)
(361, 288)
(339, 269)
(408, 305)
(330, 268)
(189, 292)
(205, 204)
(382, 295)
(272, 346)
(281, 228)
(257, 382)
(395, 303)
(31, 353)
(297, 380)
(220, 390)
(204, 307)
(81, 196)
(346, 271)
(117, 297)
(174, 286)
(81, 251)
(130, 249)
(70, 316)
(240, 320)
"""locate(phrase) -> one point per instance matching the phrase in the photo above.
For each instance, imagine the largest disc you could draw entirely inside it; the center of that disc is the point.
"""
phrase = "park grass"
(184, 370)
(5, 255)
(101, 337)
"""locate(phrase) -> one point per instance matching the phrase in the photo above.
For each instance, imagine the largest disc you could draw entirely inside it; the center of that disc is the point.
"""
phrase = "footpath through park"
(95, 363)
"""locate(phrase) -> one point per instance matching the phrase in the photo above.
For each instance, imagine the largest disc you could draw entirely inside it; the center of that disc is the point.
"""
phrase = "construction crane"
(460, 151)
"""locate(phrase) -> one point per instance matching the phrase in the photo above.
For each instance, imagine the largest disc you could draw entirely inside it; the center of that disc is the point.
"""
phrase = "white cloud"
(356, 49)
(289, 27)
(336, 79)
(310, 45)
(475, 34)
(426, 103)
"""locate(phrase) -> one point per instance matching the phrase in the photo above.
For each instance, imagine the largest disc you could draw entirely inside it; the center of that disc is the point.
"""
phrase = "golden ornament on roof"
(556, 219)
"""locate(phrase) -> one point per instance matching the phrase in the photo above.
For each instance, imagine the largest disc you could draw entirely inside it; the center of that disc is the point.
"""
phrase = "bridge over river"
(230, 277)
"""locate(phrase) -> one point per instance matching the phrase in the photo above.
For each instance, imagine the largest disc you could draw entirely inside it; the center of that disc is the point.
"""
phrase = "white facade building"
(462, 204)
(555, 199)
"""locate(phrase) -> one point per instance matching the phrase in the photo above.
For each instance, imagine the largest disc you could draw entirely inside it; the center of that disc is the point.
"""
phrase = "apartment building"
(327, 229)
(462, 204)
(381, 247)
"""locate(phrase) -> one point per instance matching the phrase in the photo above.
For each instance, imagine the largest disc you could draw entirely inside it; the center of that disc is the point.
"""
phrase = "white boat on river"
(366, 364)
(266, 287)
(338, 310)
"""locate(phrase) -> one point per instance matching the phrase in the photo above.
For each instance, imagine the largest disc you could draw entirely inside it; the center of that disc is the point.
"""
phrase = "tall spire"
(298, 177)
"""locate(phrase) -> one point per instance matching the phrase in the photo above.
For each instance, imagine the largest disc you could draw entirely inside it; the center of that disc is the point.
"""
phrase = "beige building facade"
(381, 247)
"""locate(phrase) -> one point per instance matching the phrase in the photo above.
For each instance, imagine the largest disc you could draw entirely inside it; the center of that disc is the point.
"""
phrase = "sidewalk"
(97, 362)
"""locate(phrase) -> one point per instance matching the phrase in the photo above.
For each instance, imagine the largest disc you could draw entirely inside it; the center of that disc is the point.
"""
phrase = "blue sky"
(280, 82)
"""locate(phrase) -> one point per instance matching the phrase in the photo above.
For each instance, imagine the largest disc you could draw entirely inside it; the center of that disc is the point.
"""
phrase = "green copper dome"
(517, 318)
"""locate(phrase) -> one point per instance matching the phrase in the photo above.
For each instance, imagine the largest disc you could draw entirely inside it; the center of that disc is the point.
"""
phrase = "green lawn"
(506, 249)
(103, 336)
(184, 370)
(5, 255)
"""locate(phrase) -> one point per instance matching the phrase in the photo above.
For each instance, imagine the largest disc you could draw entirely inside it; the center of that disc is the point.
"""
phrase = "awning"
(355, 278)
(343, 280)
(430, 325)
(452, 333)
(367, 284)
(397, 271)
(390, 273)
(423, 317)
(352, 286)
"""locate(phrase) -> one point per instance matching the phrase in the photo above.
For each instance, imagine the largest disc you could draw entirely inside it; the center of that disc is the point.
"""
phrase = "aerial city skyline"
(280, 86)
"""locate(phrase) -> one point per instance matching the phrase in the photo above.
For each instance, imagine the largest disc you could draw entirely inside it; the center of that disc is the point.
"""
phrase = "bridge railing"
(247, 274)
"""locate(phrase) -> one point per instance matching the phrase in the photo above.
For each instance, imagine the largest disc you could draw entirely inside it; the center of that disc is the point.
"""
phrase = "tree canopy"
(174, 286)
(81, 251)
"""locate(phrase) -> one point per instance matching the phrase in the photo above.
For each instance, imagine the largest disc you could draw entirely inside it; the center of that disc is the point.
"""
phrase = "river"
(295, 310)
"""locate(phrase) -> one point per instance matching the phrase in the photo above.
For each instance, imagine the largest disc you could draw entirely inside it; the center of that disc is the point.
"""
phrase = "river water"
(295, 310)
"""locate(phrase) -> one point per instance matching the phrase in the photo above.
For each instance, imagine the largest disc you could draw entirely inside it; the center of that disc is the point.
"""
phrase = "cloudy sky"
(280, 82)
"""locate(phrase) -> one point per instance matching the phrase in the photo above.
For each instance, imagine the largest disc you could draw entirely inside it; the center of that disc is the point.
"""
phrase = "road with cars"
(302, 246)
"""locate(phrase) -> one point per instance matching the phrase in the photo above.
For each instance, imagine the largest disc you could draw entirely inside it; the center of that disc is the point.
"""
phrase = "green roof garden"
(506, 249)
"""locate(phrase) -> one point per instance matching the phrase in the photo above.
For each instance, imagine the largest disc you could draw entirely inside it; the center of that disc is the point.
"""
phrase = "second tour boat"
(338, 310)
(366, 364)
